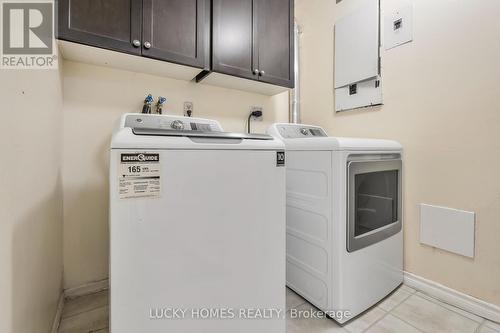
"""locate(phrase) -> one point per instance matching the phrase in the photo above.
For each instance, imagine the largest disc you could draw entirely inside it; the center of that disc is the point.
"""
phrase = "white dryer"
(197, 227)
(344, 219)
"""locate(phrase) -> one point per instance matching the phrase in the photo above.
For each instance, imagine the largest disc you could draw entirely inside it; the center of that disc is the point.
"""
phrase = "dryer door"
(374, 199)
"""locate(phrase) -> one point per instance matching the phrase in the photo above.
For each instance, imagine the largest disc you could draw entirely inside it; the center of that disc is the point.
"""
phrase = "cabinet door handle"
(255, 71)
(262, 73)
(147, 45)
(136, 43)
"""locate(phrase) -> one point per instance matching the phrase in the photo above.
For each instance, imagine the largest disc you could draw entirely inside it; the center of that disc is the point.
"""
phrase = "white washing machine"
(197, 227)
(344, 219)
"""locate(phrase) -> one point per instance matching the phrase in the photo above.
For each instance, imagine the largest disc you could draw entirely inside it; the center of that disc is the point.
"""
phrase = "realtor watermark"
(223, 313)
(28, 35)
(339, 315)
(227, 313)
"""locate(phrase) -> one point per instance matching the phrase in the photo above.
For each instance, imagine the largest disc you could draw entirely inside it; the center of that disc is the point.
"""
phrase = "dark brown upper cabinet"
(274, 32)
(177, 31)
(233, 38)
(110, 24)
(253, 39)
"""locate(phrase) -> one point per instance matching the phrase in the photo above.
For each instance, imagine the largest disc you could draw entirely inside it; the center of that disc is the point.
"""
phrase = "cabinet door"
(177, 31)
(233, 39)
(274, 21)
(110, 24)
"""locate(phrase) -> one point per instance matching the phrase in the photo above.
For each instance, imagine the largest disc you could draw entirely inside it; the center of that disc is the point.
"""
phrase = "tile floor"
(405, 310)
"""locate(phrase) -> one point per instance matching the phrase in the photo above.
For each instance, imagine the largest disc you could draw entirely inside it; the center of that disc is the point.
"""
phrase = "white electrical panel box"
(357, 58)
(357, 45)
(398, 26)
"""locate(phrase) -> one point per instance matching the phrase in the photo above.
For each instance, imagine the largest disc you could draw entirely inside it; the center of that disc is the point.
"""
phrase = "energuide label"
(139, 175)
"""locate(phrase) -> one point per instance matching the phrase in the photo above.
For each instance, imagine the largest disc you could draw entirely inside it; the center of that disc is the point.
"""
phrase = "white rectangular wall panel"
(368, 93)
(449, 229)
(398, 26)
(357, 45)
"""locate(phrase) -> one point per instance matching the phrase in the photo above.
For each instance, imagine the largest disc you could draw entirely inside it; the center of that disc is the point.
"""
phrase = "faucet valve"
(159, 104)
(146, 108)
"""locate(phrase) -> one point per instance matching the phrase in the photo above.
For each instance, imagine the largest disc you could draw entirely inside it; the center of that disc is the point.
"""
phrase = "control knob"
(177, 125)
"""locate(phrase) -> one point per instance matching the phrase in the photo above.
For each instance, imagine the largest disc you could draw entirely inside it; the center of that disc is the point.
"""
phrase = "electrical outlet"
(257, 108)
(188, 109)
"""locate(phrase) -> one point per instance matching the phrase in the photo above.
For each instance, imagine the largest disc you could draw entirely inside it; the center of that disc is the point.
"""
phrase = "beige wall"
(94, 99)
(441, 101)
(30, 199)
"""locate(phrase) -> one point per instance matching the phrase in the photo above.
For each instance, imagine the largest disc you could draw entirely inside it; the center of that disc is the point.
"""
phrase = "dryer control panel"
(298, 131)
(149, 121)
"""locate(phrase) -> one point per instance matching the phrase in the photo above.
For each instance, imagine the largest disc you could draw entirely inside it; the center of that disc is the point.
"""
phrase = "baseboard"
(88, 288)
(431, 288)
(453, 297)
(57, 317)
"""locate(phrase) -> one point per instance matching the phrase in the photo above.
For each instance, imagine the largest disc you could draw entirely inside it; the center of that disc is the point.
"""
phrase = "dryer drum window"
(374, 201)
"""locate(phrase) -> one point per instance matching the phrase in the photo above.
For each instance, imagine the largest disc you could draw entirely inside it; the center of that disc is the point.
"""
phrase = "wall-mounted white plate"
(398, 26)
(448, 229)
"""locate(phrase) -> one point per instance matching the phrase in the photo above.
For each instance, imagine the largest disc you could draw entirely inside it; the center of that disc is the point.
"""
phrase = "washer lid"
(200, 134)
(145, 131)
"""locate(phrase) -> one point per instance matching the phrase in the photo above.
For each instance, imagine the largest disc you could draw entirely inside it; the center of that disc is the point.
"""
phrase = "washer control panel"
(297, 131)
(171, 122)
